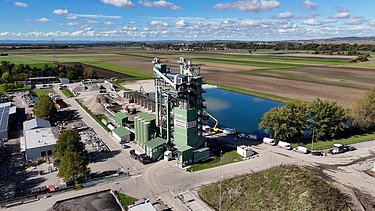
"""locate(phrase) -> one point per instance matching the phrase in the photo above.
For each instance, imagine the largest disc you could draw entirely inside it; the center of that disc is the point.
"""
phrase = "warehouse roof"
(5, 111)
(155, 143)
(143, 207)
(39, 138)
(35, 123)
(121, 115)
(184, 148)
(146, 117)
(121, 132)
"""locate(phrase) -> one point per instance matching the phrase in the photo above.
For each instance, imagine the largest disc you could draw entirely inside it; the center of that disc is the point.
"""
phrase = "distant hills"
(49, 42)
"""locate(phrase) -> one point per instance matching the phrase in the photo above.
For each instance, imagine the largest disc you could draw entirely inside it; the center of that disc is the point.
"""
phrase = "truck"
(269, 141)
(285, 145)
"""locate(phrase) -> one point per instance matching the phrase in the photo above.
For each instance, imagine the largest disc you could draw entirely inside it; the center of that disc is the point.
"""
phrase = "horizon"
(161, 20)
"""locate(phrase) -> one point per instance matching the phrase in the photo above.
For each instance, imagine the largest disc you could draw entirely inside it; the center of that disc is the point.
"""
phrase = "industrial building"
(38, 139)
(245, 151)
(121, 119)
(121, 135)
(6, 109)
(38, 143)
(43, 80)
(180, 115)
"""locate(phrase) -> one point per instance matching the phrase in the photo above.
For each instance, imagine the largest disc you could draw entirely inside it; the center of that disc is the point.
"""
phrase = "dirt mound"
(278, 188)
(96, 104)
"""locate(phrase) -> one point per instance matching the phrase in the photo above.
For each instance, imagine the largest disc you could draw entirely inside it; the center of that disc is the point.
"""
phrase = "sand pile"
(95, 104)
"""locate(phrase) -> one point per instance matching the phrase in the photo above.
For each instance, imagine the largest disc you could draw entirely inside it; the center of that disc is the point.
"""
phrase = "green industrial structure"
(121, 119)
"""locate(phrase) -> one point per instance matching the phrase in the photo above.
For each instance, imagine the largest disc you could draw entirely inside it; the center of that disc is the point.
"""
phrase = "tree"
(7, 77)
(286, 123)
(45, 109)
(69, 140)
(327, 119)
(69, 151)
(363, 111)
(73, 167)
(89, 73)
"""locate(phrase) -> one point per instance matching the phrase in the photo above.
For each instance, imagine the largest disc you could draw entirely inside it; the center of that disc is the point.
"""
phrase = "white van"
(269, 141)
(284, 145)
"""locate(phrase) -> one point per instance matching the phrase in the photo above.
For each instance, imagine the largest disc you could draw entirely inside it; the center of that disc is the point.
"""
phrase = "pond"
(238, 111)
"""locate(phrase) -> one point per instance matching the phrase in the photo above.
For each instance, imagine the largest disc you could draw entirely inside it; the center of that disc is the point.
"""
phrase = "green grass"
(278, 188)
(135, 72)
(322, 145)
(227, 158)
(41, 92)
(95, 117)
(67, 92)
(126, 200)
(259, 63)
(253, 93)
(24, 88)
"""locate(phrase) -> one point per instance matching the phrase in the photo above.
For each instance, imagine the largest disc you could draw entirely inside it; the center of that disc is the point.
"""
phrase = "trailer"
(285, 145)
(269, 141)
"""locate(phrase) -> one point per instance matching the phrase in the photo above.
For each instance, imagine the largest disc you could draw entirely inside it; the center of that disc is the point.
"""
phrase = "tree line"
(11, 72)
(298, 121)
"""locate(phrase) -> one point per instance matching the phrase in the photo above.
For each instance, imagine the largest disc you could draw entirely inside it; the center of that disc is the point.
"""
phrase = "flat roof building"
(38, 143)
(6, 109)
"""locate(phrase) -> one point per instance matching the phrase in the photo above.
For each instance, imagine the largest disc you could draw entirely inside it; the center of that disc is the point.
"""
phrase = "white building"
(5, 110)
(244, 151)
(38, 143)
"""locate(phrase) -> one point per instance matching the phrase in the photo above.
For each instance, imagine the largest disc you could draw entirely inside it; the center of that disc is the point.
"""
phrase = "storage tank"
(104, 121)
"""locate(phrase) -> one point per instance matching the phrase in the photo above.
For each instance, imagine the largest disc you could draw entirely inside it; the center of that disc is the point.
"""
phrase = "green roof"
(184, 148)
(120, 115)
(156, 142)
(146, 117)
(121, 132)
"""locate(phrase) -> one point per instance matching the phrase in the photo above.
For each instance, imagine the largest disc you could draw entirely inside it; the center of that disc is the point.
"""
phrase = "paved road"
(165, 181)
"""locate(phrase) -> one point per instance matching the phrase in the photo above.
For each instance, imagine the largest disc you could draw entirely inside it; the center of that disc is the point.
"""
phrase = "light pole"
(220, 199)
(312, 141)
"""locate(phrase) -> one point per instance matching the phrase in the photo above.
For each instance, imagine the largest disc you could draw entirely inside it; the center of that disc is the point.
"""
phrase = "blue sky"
(185, 19)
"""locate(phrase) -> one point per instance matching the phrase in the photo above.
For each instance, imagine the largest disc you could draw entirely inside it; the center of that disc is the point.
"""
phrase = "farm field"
(290, 76)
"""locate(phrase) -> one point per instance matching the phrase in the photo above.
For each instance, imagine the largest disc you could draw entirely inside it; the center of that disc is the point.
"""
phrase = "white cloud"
(342, 14)
(43, 20)
(371, 23)
(249, 5)
(181, 24)
(73, 17)
(92, 22)
(119, 3)
(72, 24)
(310, 5)
(285, 15)
(108, 23)
(158, 23)
(330, 20)
(20, 4)
(249, 23)
(93, 16)
(159, 3)
(60, 12)
(312, 22)
(355, 21)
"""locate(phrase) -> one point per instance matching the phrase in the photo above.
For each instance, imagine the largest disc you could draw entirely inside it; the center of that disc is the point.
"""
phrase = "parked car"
(317, 153)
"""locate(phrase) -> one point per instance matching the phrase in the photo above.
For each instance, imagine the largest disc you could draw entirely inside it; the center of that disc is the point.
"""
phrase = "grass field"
(278, 188)
(67, 92)
(126, 200)
(24, 88)
(322, 145)
(41, 92)
(227, 158)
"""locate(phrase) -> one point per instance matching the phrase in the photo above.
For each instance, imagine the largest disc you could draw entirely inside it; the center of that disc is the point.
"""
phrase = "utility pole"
(220, 199)
(312, 141)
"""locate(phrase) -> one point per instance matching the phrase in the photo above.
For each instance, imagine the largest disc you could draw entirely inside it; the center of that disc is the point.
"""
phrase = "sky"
(150, 20)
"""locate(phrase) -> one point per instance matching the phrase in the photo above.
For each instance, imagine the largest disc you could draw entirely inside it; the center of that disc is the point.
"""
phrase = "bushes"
(363, 112)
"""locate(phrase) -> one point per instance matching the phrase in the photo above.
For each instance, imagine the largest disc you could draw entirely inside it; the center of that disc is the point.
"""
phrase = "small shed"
(155, 148)
(121, 119)
(121, 135)
(244, 151)
(64, 80)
